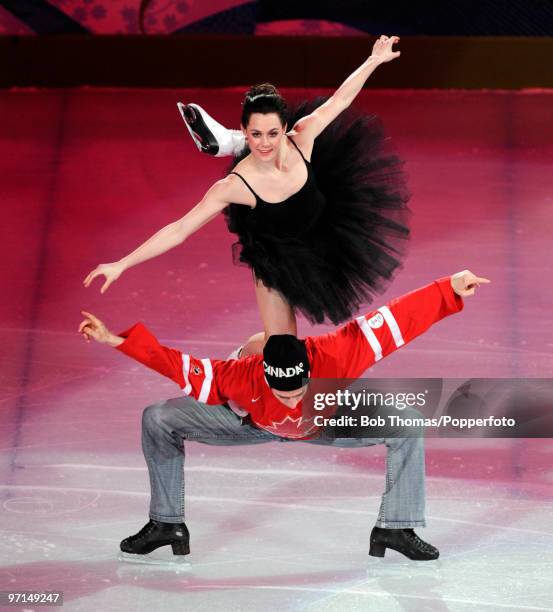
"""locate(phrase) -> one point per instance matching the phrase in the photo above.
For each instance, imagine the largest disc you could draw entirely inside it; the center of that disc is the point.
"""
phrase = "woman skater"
(319, 210)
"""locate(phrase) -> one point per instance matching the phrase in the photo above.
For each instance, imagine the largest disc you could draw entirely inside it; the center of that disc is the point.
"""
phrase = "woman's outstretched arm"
(312, 125)
(170, 236)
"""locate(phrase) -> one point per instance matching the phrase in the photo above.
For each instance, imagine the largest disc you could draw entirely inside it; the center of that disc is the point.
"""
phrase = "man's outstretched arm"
(211, 381)
(364, 341)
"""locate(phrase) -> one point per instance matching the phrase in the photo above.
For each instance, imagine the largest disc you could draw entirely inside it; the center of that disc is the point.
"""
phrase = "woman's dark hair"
(264, 99)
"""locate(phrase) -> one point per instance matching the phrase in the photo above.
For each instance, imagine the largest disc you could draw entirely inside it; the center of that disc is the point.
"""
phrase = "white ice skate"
(208, 135)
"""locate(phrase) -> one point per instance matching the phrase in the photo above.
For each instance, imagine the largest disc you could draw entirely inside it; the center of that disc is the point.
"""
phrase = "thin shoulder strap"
(298, 149)
(246, 183)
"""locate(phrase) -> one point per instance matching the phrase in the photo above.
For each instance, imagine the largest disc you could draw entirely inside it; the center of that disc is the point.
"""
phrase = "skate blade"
(400, 568)
(173, 562)
(196, 139)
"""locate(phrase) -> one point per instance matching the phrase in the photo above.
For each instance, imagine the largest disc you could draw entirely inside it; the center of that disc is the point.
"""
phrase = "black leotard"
(336, 242)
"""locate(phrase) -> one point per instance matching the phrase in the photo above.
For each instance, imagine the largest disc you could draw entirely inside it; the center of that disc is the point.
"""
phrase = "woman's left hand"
(382, 49)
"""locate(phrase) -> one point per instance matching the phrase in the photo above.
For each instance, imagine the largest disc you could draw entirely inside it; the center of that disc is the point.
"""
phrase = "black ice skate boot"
(405, 541)
(154, 535)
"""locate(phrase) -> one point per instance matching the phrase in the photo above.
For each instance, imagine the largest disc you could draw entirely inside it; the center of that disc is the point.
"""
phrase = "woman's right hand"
(383, 49)
(112, 271)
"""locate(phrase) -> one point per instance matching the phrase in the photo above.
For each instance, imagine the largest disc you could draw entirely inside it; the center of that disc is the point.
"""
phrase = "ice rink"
(89, 174)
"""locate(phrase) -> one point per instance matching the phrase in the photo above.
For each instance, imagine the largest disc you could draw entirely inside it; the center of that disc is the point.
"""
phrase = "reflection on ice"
(160, 558)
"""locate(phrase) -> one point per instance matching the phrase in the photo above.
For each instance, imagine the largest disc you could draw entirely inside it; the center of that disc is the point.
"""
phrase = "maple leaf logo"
(292, 428)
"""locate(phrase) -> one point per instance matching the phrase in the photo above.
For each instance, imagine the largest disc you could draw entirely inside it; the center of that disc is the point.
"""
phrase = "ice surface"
(87, 175)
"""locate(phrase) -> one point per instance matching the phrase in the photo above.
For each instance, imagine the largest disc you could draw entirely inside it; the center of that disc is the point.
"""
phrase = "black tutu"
(349, 254)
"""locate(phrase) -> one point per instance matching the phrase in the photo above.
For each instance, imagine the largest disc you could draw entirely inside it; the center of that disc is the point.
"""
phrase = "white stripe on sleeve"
(185, 372)
(206, 385)
(371, 338)
(392, 324)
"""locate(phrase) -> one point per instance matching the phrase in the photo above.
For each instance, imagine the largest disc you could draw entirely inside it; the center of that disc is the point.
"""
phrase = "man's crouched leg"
(164, 428)
(403, 502)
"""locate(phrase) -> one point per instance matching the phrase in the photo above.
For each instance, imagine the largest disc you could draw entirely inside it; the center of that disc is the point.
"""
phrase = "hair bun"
(264, 98)
(264, 89)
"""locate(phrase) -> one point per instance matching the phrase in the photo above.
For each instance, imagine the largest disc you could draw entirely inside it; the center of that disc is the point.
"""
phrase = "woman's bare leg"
(254, 345)
(278, 318)
(276, 314)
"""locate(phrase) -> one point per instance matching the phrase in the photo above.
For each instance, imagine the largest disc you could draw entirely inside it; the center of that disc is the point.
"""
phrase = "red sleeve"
(208, 380)
(359, 344)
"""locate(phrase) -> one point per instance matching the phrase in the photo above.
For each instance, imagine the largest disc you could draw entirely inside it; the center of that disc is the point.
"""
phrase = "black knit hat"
(285, 362)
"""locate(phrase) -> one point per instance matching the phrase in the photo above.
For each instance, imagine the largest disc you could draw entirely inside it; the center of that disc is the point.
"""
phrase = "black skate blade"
(169, 561)
(202, 136)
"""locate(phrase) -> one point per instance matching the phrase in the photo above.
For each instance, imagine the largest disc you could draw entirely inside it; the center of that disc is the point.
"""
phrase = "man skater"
(270, 388)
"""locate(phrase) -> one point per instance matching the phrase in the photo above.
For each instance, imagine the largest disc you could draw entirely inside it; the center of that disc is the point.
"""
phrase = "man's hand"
(465, 283)
(92, 327)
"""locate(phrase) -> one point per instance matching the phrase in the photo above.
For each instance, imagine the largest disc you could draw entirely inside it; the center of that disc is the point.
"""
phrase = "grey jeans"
(165, 427)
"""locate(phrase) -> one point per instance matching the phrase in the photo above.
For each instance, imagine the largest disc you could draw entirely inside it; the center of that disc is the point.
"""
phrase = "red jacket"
(344, 353)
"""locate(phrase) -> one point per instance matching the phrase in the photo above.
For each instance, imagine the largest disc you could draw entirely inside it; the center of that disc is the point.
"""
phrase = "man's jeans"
(166, 425)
